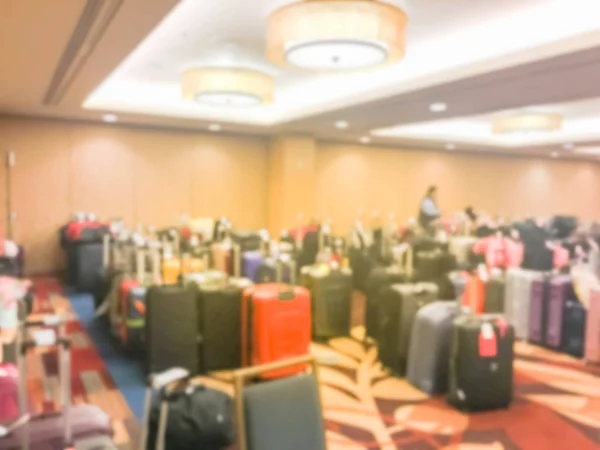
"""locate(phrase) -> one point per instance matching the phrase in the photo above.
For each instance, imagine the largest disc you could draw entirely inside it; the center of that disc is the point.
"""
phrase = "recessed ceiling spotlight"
(554, 154)
(341, 124)
(438, 107)
(110, 118)
(214, 127)
(569, 146)
(450, 146)
(365, 139)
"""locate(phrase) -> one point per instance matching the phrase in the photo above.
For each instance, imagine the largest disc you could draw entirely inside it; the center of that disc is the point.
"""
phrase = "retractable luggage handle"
(45, 338)
(289, 292)
(160, 382)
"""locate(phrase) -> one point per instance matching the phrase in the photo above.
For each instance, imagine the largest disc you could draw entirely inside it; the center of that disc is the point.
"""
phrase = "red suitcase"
(276, 325)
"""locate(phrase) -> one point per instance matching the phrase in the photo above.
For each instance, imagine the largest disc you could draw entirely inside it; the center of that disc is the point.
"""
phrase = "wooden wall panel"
(143, 176)
(353, 178)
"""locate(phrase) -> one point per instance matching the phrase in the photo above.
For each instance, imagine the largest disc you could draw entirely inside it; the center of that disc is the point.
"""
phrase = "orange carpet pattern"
(556, 406)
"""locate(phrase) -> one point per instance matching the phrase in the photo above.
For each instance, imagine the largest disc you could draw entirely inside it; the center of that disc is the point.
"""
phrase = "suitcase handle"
(285, 292)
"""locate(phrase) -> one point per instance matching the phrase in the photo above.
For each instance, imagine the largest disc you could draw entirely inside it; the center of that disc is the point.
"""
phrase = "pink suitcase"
(9, 387)
(592, 335)
(82, 426)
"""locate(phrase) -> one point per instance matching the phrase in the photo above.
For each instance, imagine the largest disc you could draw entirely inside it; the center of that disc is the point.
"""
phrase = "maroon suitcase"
(561, 290)
(81, 426)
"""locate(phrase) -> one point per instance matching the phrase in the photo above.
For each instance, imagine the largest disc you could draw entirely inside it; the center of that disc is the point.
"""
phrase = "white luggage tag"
(44, 338)
(167, 377)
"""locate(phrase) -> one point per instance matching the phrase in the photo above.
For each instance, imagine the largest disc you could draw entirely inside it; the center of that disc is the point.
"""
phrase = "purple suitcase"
(538, 311)
(9, 387)
(251, 262)
(561, 290)
(81, 426)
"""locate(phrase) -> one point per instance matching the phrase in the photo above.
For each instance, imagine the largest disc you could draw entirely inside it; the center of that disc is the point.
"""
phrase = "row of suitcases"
(441, 347)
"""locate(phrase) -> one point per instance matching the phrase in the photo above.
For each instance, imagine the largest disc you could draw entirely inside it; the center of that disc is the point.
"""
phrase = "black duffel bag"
(198, 418)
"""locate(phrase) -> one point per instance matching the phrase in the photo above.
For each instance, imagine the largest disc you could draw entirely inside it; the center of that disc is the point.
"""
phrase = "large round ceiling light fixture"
(336, 35)
(527, 123)
(227, 86)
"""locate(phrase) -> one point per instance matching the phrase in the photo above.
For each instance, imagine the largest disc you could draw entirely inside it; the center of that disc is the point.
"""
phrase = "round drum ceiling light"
(527, 123)
(336, 35)
(227, 87)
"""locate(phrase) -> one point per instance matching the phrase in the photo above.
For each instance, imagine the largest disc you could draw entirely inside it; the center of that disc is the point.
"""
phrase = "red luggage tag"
(488, 345)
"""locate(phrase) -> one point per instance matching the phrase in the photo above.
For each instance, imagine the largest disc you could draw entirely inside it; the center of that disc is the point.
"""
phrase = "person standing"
(428, 210)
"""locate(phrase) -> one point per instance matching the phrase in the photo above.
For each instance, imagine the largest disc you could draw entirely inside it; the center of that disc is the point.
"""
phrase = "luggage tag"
(502, 326)
(488, 345)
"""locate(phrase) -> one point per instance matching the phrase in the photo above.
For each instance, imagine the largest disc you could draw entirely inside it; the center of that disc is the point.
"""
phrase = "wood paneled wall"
(143, 176)
(152, 176)
(353, 178)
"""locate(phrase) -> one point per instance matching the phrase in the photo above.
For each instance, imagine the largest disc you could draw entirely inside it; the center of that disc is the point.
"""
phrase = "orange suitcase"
(474, 295)
(275, 326)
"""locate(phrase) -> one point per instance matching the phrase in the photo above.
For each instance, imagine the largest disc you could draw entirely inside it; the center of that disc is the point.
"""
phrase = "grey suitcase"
(430, 343)
(517, 300)
(397, 306)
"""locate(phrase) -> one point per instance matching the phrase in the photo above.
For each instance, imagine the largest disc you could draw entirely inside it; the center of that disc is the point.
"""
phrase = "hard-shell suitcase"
(561, 291)
(538, 311)
(379, 278)
(81, 426)
(429, 352)
(398, 306)
(474, 294)
(9, 387)
(275, 325)
(88, 261)
(592, 334)
(517, 299)
(251, 262)
(219, 322)
(171, 333)
(331, 300)
(494, 295)
(481, 363)
(573, 332)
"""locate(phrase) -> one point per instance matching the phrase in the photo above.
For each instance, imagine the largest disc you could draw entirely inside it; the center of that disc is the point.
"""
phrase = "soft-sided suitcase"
(429, 352)
(275, 325)
(561, 291)
(397, 306)
(474, 295)
(331, 300)
(219, 322)
(538, 311)
(573, 332)
(592, 333)
(481, 363)
(494, 295)
(88, 261)
(87, 426)
(171, 333)
(379, 278)
(517, 299)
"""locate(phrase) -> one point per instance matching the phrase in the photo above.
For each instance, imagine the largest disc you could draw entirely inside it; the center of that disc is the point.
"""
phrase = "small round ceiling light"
(554, 155)
(365, 140)
(438, 107)
(214, 127)
(341, 124)
(336, 35)
(569, 146)
(110, 118)
(527, 123)
(450, 147)
(227, 86)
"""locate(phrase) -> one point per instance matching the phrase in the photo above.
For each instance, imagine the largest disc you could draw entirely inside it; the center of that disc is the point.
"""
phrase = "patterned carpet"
(557, 404)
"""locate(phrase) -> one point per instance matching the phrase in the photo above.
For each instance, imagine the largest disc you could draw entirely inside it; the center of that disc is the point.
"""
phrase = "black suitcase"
(481, 363)
(331, 300)
(219, 322)
(573, 328)
(379, 278)
(171, 330)
(361, 265)
(494, 296)
(397, 307)
(87, 262)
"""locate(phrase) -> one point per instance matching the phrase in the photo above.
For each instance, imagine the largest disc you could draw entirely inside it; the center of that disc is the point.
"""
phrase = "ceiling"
(80, 59)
